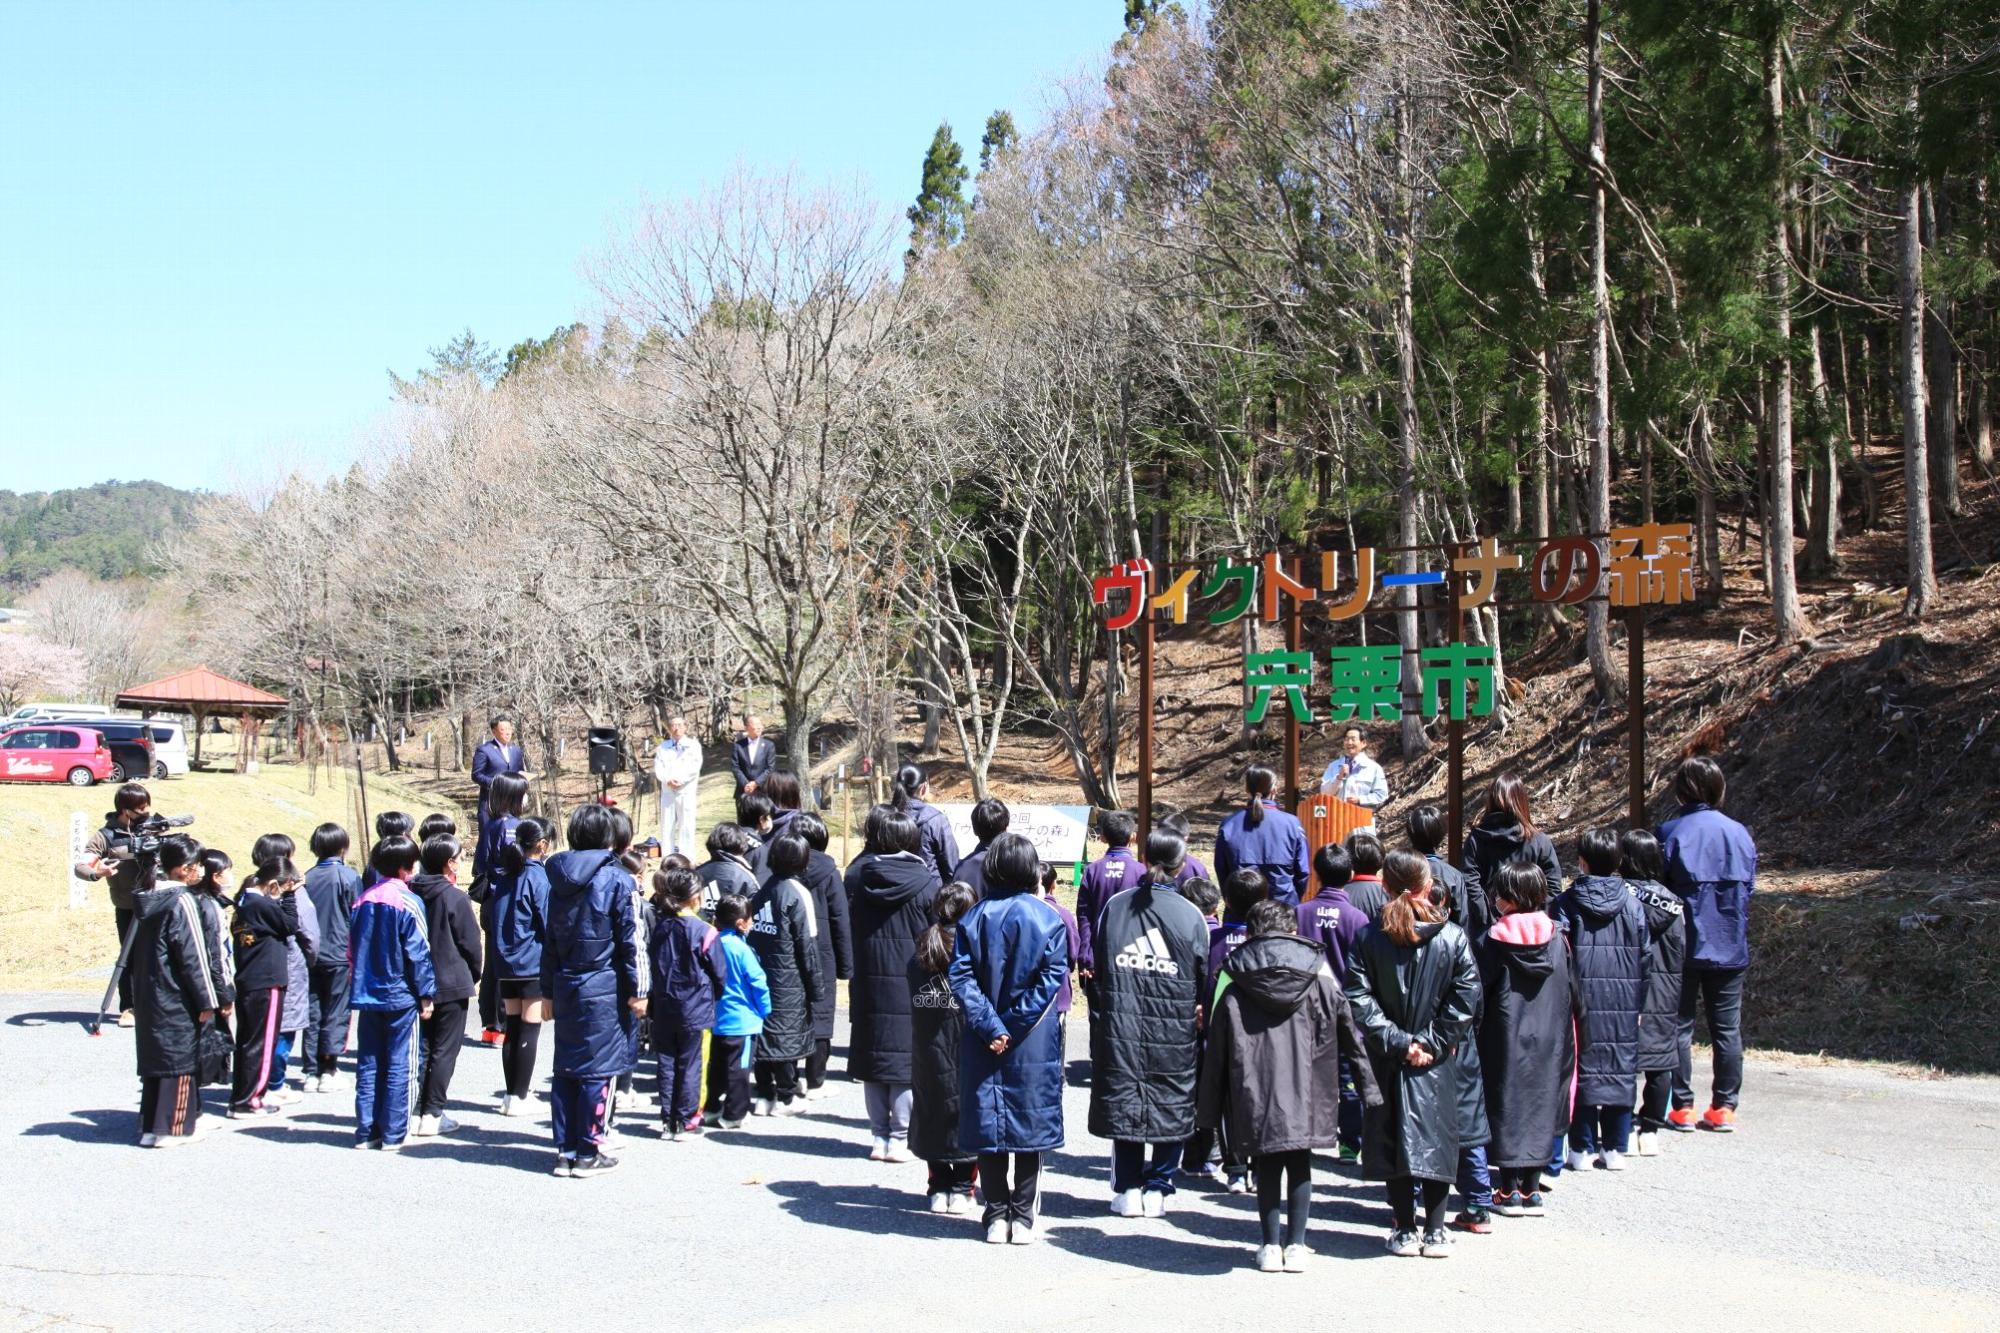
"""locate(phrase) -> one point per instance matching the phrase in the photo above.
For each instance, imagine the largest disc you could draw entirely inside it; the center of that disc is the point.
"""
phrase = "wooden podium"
(1330, 819)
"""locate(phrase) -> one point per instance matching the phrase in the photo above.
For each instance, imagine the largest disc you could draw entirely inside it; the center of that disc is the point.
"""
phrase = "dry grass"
(45, 944)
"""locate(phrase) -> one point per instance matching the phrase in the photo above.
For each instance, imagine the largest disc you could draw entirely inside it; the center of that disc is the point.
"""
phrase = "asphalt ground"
(1851, 1197)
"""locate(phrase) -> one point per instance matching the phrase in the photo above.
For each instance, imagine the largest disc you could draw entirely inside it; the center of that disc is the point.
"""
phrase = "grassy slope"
(44, 944)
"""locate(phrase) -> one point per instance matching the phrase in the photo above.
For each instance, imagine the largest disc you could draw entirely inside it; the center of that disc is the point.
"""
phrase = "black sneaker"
(1531, 1204)
(1437, 1244)
(1507, 1204)
(1476, 1221)
(594, 1165)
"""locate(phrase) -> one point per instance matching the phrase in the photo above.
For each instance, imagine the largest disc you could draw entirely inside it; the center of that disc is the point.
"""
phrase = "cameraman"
(128, 808)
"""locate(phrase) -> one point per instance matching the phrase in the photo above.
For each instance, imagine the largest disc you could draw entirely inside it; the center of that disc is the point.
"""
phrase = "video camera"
(141, 842)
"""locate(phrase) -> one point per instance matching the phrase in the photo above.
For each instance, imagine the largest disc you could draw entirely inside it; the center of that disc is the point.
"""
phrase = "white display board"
(1058, 831)
(80, 829)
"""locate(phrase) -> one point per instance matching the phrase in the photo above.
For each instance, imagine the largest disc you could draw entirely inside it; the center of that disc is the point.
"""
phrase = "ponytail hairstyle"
(507, 794)
(674, 889)
(1407, 876)
(213, 862)
(1259, 782)
(1166, 853)
(909, 781)
(276, 871)
(528, 835)
(934, 946)
(1510, 795)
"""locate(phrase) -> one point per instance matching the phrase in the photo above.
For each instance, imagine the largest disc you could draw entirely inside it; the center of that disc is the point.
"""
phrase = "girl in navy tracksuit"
(517, 907)
(687, 979)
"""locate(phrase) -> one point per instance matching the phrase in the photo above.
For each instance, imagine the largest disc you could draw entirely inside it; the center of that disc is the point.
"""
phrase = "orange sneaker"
(1681, 1119)
(1719, 1118)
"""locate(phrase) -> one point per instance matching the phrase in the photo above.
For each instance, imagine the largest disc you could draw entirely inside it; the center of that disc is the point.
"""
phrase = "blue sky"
(220, 224)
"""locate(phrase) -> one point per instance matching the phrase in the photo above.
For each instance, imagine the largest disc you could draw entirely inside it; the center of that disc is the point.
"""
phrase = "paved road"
(1851, 1198)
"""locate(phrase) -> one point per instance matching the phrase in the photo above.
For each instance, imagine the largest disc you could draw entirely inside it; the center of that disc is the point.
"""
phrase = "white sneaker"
(446, 1125)
(1649, 1143)
(282, 1097)
(1239, 1184)
(996, 1231)
(1295, 1258)
(176, 1140)
(940, 1203)
(956, 1202)
(1152, 1203)
(149, 1140)
(760, 1106)
(898, 1151)
(1270, 1259)
(506, 1103)
(879, 1151)
(1022, 1233)
(1128, 1204)
(1612, 1160)
(425, 1128)
(1576, 1161)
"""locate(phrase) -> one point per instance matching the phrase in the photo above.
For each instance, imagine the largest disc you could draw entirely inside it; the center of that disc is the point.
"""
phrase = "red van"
(50, 752)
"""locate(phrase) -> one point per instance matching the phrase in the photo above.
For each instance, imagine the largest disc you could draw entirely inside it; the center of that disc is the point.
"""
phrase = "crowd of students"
(1483, 1026)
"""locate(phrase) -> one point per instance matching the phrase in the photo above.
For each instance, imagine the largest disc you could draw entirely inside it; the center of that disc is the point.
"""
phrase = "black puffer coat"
(938, 1026)
(1152, 970)
(1527, 1039)
(1272, 1061)
(1461, 894)
(1496, 840)
(1666, 957)
(836, 942)
(1402, 994)
(1607, 933)
(174, 978)
(784, 934)
(888, 905)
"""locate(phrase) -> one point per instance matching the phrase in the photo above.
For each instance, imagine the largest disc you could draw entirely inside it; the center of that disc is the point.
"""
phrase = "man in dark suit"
(496, 755)
(752, 757)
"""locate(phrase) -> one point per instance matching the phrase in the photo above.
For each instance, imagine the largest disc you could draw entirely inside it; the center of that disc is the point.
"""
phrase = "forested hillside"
(110, 530)
(1290, 276)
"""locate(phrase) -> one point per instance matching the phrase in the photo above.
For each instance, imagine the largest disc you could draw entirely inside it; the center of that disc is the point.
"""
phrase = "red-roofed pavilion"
(204, 693)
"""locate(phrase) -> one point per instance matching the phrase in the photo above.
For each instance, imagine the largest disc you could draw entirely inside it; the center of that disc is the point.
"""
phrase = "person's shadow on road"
(119, 1128)
(874, 1209)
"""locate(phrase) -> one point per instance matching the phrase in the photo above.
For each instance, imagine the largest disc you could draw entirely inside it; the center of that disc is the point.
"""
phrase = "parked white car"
(57, 712)
(170, 749)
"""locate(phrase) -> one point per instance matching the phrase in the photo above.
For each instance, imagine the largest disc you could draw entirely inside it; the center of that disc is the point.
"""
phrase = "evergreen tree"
(999, 137)
(938, 216)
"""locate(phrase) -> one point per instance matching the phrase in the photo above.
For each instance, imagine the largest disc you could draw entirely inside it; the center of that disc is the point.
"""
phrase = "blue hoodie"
(1712, 868)
(745, 1001)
